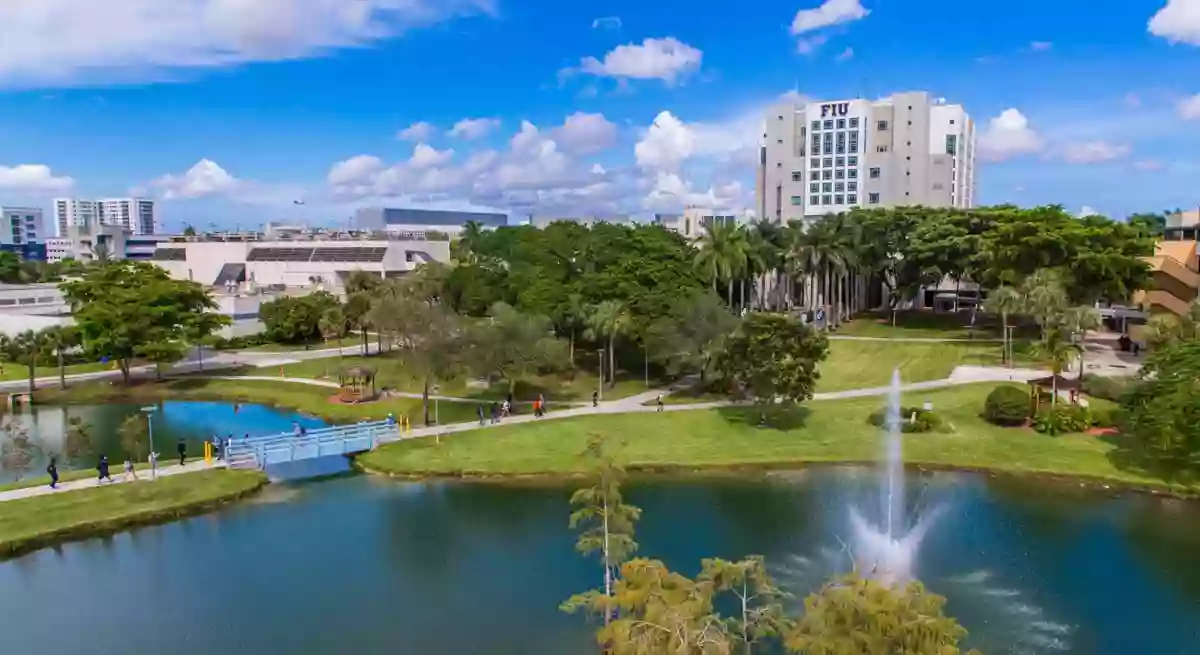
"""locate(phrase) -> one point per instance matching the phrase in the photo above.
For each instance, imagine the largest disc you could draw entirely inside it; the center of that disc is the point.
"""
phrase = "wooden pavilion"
(1042, 390)
(357, 384)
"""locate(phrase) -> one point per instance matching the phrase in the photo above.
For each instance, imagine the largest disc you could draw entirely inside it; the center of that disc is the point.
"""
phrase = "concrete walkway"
(118, 478)
(846, 337)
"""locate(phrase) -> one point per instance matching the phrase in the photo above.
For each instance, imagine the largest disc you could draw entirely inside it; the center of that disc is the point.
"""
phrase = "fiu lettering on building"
(835, 109)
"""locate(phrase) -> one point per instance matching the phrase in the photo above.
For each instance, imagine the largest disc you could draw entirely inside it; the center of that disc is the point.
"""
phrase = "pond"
(365, 565)
(194, 422)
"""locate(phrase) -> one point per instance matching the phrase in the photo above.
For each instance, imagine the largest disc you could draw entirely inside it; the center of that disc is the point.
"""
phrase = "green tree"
(1162, 411)
(123, 305)
(1148, 224)
(134, 436)
(691, 335)
(189, 231)
(162, 352)
(18, 451)
(10, 268)
(759, 601)
(860, 615)
(1006, 301)
(78, 445)
(296, 319)
(60, 339)
(28, 345)
(512, 346)
(1167, 329)
(608, 321)
(775, 357)
(1045, 298)
(1058, 349)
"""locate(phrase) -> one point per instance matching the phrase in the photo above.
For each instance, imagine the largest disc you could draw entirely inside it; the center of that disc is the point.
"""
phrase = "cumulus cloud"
(666, 59)
(670, 192)
(33, 178)
(1177, 22)
(1093, 152)
(419, 131)
(1086, 211)
(607, 23)
(585, 133)
(1008, 135)
(67, 42)
(829, 13)
(1189, 108)
(669, 142)
(208, 179)
(425, 156)
(474, 128)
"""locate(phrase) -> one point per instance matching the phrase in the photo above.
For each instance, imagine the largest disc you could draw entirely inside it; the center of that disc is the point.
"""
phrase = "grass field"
(867, 364)
(13, 371)
(31, 523)
(354, 340)
(823, 431)
(926, 325)
(305, 398)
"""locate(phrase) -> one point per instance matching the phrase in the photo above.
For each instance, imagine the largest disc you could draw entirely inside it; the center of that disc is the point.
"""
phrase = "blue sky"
(230, 110)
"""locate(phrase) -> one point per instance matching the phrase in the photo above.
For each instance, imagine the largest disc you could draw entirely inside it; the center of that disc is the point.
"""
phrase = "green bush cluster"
(1006, 405)
(238, 343)
(1063, 419)
(912, 419)
(1108, 388)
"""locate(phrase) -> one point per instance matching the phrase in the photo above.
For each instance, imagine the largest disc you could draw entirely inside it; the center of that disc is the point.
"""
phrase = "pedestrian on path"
(52, 471)
(129, 472)
(495, 413)
(509, 407)
(181, 448)
(541, 405)
(153, 465)
(595, 399)
(479, 411)
(102, 468)
(659, 402)
(505, 409)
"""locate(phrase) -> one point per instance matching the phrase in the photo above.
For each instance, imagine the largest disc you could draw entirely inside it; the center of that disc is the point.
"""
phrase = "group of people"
(103, 467)
(506, 407)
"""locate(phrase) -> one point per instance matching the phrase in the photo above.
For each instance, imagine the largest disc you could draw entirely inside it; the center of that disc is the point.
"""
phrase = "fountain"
(886, 551)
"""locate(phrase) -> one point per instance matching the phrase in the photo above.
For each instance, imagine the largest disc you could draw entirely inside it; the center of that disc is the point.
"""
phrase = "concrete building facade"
(134, 214)
(694, 220)
(825, 157)
(415, 222)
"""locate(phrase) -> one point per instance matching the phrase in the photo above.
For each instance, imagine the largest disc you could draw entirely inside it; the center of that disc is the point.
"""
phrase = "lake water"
(367, 565)
(194, 422)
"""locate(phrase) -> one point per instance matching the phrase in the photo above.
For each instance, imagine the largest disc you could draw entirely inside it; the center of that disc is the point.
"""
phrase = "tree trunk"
(571, 347)
(364, 341)
(1004, 357)
(62, 371)
(729, 293)
(612, 362)
(124, 365)
(425, 400)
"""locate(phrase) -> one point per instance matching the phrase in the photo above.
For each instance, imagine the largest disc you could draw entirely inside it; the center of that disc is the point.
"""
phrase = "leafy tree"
(27, 346)
(60, 339)
(691, 335)
(609, 320)
(78, 445)
(162, 352)
(1167, 329)
(512, 345)
(1057, 348)
(332, 323)
(10, 268)
(296, 319)
(1149, 224)
(1045, 298)
(758, 599)
(189, 231)
(356, 312)
(860, 615)
(1005, 301)
(1162, 412)
(123, 305)
(134, 436)
(775, 357)
(18, 451)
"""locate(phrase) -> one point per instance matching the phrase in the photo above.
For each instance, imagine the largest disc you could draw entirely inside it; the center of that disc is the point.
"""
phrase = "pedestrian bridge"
(262, 451)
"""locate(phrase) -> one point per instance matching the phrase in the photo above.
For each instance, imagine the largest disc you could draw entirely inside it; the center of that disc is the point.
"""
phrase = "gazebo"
(357, 384)
(1040, 387)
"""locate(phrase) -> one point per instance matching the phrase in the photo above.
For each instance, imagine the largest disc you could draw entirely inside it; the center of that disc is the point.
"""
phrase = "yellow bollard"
(208, 453)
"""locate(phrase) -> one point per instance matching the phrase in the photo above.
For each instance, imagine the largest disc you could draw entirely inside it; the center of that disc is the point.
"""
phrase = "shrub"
(912, 419)
(1063, 419)
(1105, 417)
(1006, 405)
(1108, 388)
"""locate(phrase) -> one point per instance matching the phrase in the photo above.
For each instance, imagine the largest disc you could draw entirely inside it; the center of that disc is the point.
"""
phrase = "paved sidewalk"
(118, 478)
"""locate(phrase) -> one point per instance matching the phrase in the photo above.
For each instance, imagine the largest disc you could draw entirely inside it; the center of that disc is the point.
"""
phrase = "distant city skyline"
(241, 118)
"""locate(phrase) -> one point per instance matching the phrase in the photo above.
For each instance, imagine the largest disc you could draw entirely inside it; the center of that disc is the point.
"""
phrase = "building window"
(826, 200)
(908, 143)
(828, 141)
(839, 174)
(852, 198)
(780, 141)
(816, 144)
(881, 148)
(814, 200)
(840, 161)
(951, 143)
(875, 173)
(907, 158)
(797, 176)
(829, 124)
(814, 175)
(937, 186)
(841, 123)
(852, 160)
(778, 164)
(828, 162)
(873, 198)
(814, 162)
(814, 187)
(827, 187)
(952, 121)
(797, 200)
(881, 126)
(816, 125)
(840, 187)
(852, 173)
(852, 186)
(827, 174)
(854, 123)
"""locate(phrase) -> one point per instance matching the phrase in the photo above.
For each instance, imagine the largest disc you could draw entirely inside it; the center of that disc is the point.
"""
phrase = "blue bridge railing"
(260, 452)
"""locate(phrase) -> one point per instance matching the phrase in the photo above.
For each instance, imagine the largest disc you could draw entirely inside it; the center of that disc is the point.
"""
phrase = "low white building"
(31, 307)
(694, 220)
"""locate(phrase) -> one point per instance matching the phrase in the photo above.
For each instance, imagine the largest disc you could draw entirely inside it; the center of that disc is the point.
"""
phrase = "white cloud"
(67, 42)
(1086, 211)
(355, 168)
(831, 12)
(607, 23)
(1189, 108)
(33, 178)
(1177, 22)
(846, 55)
(1040, 45)
(585, 133)
(425, 156)
(669, 142)
(670, 192)
(419, 131)
(666, 59)
(206, 178)
(1008, 135)
(474, 128)
(1093, 152)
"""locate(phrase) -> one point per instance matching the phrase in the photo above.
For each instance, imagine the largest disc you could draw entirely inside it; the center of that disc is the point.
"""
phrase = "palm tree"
(609, 320)
(712, 259)
(466, 249)
(1060, 351)
(1045, 298)
(1005, 301)
(574, 315)
(333, 324)
(1077, 321)
(769, 240)
(60, 338)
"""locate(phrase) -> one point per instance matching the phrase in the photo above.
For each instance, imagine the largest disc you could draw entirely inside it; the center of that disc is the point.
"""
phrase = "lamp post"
(149, 411)
(600, 388)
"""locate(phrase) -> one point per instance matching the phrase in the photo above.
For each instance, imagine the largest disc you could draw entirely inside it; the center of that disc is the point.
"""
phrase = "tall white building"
(827, 157)
(134, 214)
(21, 226)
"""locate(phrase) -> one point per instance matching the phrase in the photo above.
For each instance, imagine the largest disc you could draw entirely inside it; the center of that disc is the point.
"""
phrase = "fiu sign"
(835, 109)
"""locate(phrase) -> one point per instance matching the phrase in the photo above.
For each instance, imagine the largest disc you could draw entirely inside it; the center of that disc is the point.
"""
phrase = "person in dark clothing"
(660, 402)
(52, 471)
(595, 399)
(181, 448)
(495, 412)
(102, 468)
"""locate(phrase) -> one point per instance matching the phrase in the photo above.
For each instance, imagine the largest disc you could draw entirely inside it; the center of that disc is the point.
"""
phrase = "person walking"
(541, 405)
(129, 472)
(495, 413)
(102, 469)
(509, 407)
(595, 399)
(52, 471)
(181, 448)
(479, 411)
(659, 402)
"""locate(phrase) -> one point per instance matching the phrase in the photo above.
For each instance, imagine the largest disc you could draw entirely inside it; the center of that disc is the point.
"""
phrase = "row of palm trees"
(775, 266)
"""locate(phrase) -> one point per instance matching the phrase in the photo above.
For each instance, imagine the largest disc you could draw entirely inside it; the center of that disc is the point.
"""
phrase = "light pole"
(600, 388)
(149, 411)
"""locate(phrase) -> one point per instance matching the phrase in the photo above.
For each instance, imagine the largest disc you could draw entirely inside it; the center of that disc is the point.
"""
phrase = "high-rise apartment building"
(134, 214)
(828, 157)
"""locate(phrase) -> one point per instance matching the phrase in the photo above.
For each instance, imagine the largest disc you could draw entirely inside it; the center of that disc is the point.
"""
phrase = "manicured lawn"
(926, 325)
(316, 345)
(13, 371)
(823, 431)
(31, 523)
(867, 364)
(305, 398)
(391, 372)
